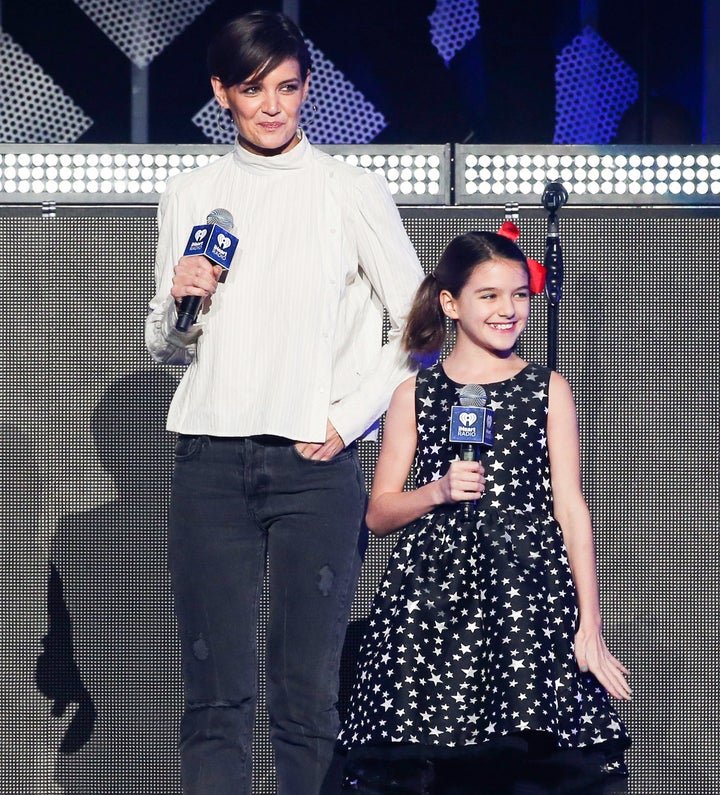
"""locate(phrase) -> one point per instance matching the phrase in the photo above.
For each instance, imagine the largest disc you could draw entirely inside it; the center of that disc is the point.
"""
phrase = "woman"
(286, 370)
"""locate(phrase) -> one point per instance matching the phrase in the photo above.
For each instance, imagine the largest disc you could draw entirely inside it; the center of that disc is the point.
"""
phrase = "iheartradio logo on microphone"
(473, 426)
(213, 242)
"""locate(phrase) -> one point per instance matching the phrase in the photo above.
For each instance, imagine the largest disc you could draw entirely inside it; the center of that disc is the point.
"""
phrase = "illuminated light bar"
(85, 174)
(608, 175)
(137, 174)
(415, 174)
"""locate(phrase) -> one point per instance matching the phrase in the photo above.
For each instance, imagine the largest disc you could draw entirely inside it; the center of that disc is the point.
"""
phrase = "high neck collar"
(261, 164)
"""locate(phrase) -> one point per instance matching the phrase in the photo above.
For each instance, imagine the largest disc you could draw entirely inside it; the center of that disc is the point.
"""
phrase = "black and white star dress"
(470, 636)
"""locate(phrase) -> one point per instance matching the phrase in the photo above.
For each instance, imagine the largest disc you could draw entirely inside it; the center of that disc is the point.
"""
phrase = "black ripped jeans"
(237, 503)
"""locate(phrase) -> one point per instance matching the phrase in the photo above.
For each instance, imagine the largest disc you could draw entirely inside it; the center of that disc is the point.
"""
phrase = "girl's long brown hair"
(425, 329)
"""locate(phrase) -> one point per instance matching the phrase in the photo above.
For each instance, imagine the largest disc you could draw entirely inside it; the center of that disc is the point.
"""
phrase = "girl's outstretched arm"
(390, 507)
(572, 514)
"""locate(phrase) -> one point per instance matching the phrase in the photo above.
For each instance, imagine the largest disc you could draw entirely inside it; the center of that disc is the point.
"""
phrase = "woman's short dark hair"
(253, 45)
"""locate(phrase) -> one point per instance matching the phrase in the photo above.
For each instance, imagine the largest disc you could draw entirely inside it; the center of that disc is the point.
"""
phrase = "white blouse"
(292, 336)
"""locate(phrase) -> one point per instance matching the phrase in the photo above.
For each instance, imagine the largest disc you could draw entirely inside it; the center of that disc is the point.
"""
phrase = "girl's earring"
(221, 119)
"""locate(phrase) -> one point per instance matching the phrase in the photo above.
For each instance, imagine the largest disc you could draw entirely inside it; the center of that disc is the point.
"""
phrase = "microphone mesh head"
(222, 218)
(473, 396)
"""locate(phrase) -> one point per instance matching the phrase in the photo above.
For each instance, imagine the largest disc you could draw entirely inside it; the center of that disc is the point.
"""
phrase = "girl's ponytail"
(425, 327)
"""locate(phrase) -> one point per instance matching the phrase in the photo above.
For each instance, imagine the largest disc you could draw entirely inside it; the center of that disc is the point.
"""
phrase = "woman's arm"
(390, 507)
(572, 514)
(164, 343)
(391, 268)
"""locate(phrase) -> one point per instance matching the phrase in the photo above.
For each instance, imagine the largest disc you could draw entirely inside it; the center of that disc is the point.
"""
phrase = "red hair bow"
(537, 271)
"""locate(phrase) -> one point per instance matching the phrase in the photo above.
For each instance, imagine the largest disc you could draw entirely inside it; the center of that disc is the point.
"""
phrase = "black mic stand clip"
(554, 197)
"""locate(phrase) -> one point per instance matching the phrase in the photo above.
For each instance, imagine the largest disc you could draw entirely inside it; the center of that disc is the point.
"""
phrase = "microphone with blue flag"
(215, 242)
(471, 424)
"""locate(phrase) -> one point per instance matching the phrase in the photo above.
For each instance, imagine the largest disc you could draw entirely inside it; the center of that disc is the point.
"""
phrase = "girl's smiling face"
(493, 307)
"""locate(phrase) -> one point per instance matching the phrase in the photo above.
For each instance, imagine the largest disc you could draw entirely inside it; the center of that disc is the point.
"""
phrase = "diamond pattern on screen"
(343, 114)
(594, 88)
(142, 28)
(452, 24)
(33, 108)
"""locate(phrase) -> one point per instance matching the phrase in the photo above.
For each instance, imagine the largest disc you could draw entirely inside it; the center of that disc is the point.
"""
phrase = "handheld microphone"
(471, 424)
(214, 241)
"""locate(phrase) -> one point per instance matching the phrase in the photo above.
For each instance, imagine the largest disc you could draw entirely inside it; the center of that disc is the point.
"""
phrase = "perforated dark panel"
(84, 474)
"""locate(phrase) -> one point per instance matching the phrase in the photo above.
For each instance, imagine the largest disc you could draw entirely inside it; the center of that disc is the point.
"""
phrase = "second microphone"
(215, 241)
(471, 424)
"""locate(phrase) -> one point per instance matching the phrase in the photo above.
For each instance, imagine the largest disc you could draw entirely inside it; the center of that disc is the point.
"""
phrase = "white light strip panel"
(615, 175)
(88, 176)
(418, 175)
(137, 174)
(415, 176)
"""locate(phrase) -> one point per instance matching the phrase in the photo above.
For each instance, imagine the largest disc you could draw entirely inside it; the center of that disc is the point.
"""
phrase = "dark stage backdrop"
(85, 466)
(388, 71)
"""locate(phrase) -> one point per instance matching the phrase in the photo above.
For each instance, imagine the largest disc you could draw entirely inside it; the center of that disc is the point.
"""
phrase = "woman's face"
(266, 111)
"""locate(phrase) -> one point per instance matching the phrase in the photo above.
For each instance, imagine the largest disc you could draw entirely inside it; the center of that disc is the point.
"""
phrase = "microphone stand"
(553, 198)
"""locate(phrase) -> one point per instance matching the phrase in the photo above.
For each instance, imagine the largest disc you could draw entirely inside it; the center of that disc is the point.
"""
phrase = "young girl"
(484, 662)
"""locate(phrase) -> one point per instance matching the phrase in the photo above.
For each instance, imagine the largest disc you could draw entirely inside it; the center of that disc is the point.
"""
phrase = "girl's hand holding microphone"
(464, 481)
